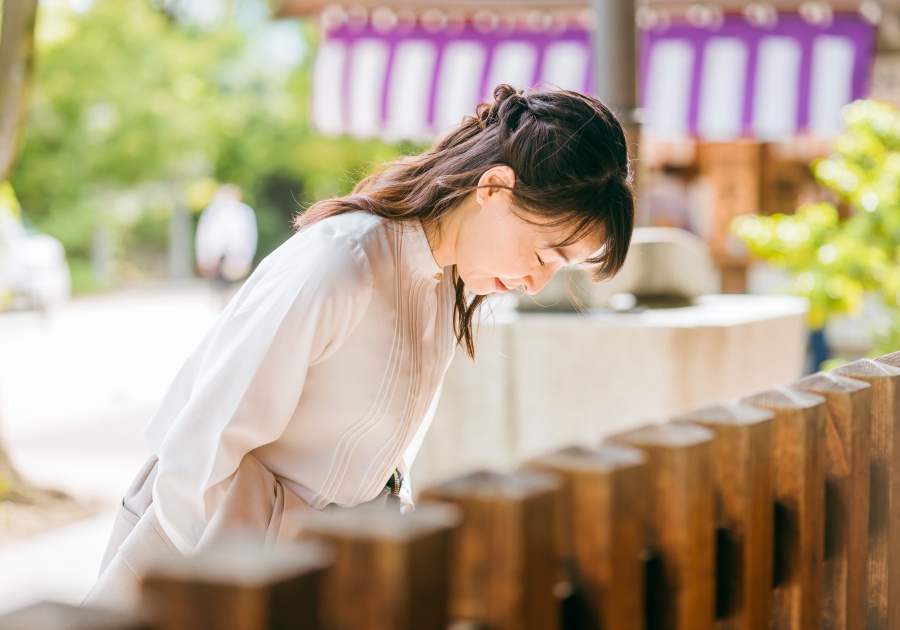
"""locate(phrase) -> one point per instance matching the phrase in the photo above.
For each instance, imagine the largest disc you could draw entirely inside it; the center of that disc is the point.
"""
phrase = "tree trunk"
(16, 61)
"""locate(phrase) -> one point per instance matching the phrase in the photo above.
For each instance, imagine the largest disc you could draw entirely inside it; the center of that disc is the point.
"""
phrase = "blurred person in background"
(33, 269)
(226, 236)
(316, 384)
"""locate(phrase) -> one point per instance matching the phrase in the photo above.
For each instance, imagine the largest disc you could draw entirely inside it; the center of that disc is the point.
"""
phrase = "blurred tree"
(16, 51)
(16, 54)
(137, 103)
(835, 260)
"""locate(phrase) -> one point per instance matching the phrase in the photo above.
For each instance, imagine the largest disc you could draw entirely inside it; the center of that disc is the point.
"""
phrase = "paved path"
(76, 387)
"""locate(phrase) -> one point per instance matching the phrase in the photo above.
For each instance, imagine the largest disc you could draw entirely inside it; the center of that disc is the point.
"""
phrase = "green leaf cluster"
(836, 257)
(135, 113)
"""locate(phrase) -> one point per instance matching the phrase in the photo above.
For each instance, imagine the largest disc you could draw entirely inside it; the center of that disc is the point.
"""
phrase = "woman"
(316, 384)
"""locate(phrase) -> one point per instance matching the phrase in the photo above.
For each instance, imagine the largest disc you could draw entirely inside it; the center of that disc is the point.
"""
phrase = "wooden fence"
(779, 510)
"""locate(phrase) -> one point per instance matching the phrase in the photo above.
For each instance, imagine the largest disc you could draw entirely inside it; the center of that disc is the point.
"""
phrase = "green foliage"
(135, 112)
(835, 260)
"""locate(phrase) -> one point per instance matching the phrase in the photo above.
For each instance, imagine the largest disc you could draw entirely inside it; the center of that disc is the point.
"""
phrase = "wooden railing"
(779, 510)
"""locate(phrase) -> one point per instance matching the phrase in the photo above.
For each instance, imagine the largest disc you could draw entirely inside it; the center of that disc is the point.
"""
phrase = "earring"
(479, 200)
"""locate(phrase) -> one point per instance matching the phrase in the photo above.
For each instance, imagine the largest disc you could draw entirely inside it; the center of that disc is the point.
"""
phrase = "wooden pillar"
(733, 171)
(391, 570)
(848, 426)
(884, 494)
(55, 616)
(243, 586)
(680, 528)
(798, 447)
(604, 514)
(744, 511)
(503, 557)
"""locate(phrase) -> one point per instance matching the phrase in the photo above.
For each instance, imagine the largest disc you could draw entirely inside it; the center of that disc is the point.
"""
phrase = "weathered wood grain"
(503, 557)
(604, 514)
(391, 570)
(238, 586)
(744, 511)
(847, 437)
(884, 493)
(680, 525)
(798, 447)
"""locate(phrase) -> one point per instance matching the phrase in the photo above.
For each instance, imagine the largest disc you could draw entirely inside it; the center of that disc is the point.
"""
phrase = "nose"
(538, 280)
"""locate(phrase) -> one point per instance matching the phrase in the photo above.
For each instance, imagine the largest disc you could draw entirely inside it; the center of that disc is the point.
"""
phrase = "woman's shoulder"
(325, 261)
(350, 229)
(339, 246)
(349, 225)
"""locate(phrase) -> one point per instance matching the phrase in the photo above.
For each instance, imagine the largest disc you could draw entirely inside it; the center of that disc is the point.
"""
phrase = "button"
(439, 276)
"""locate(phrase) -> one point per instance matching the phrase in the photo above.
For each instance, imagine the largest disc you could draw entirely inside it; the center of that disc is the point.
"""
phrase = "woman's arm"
(251, 372)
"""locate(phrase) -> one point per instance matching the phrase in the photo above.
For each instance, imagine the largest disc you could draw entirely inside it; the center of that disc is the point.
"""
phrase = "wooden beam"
(736, 6)
(503, 556)
(742, 480)
(391, 570)
(604, 515)
(798, 447)
(680, 526)
(285, 8)
(240, 586)
(884, 499)
(848, 427)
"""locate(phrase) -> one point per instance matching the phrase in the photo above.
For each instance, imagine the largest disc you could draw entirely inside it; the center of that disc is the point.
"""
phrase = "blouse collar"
(424, 258)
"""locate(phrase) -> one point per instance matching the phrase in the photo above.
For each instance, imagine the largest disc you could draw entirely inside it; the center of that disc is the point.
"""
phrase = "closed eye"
(542, 263)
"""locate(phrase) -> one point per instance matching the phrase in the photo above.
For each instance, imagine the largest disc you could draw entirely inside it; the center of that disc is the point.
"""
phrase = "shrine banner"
(415, 84)
(718, 83)
(741, 80)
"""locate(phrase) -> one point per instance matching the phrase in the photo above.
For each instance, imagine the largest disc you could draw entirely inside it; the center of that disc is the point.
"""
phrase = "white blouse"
(326, 366)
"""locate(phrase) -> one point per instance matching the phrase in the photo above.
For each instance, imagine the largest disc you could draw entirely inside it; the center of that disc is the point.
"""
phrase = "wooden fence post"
(391, 570)
(604, 514)
(239, 585)
(884, 496)
(55, 616)
(744, 511)
(848, 427)
(680, 528)
(503, 556)
(798, 447)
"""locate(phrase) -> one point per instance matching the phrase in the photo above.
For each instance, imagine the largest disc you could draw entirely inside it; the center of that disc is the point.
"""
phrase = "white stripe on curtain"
(775, 97)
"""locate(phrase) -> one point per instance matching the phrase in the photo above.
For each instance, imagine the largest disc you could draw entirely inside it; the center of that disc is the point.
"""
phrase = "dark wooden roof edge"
(285, 8)
(288, 8)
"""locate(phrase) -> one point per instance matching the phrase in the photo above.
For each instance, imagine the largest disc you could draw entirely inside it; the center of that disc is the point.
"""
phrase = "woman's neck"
(443, 233)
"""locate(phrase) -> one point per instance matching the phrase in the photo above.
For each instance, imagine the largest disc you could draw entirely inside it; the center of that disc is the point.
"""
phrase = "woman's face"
(497, 251)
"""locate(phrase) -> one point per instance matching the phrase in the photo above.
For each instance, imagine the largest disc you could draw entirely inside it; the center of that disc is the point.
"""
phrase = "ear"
(496, 179)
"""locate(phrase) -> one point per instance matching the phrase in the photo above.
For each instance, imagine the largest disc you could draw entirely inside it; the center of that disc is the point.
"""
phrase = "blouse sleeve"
(249, 374)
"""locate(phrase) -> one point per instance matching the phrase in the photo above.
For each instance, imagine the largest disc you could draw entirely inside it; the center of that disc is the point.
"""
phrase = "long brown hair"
(570, 158)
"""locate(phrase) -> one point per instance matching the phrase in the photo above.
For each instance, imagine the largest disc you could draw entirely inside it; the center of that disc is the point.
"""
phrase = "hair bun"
(504, 92)
(506, 98)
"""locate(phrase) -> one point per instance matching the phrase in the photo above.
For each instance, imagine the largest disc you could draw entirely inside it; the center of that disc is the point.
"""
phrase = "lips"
(501, 288)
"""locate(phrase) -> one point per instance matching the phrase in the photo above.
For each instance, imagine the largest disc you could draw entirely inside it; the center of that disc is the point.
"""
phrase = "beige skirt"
(256, 504)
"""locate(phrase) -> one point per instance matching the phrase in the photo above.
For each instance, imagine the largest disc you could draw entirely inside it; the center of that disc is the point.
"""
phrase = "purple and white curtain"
(416, 84)
(735, 80)
(763, 82)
